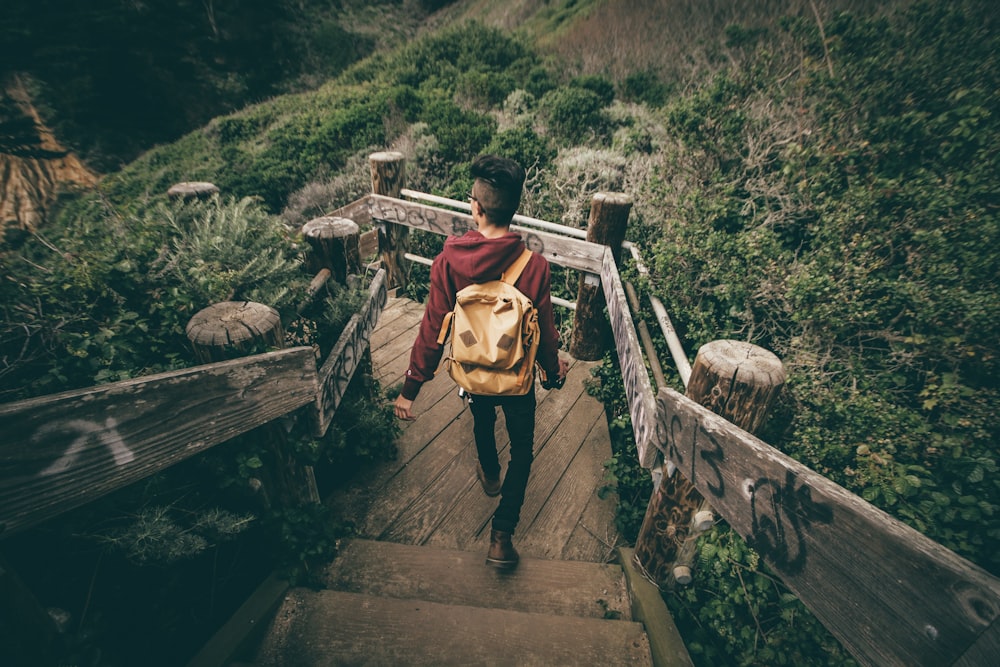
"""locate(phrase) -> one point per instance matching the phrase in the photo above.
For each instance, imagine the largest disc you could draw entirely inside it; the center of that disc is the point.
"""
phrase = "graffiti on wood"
(437, 220)
(106, 434)
(339, 368)
(782, 512)
(780, 507)
(696, 453)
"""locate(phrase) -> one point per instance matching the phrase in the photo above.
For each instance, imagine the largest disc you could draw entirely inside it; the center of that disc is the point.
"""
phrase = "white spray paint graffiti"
(106, 434)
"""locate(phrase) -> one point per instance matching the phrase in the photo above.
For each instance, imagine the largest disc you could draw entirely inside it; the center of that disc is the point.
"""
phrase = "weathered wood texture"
(64, 450)
(564, 588)
(739, 381)
(429, 494)
(561, 250)
(890, 594)
(336, 628)
(232, 329)
(343, 360)
(638, 389)
(388, 172)
(606, 226)
(334, 243)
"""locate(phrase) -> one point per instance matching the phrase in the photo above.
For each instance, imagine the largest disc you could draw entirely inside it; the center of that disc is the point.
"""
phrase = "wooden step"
(336, 628)
(567, 588)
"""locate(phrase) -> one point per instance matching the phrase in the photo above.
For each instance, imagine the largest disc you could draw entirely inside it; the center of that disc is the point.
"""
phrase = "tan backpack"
(494, 336)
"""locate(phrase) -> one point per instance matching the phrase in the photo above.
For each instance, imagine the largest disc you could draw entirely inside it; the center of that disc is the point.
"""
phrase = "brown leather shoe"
(502, 554)
(491, 487)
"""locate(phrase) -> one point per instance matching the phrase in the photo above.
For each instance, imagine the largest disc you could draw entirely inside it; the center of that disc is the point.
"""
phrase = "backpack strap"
(513, 271)
(445, 327)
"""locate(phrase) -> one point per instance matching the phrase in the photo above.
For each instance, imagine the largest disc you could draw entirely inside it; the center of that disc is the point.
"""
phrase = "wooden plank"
(398, 321)
(595, 536)
(368, 244)
(665, 642)
(889, 593)
(562, 250)
(387, 569)
(336, 628)
(453, 480)
(392, 370)
(421, 472)
(357, 210)
(345, 356)
(638, 389)
(64, 450)
(399, 334)
(569, 475)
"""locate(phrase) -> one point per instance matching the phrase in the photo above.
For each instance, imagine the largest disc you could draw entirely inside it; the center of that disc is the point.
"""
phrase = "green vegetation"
(822, 185)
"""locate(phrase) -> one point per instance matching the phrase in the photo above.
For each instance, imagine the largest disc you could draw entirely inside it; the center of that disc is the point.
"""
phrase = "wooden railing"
(888, 593)
(64, 450)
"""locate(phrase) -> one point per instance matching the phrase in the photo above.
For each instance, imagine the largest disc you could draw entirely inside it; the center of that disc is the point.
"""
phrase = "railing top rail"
(518, 219)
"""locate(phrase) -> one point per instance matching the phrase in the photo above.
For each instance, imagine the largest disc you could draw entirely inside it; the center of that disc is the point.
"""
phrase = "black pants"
(519, 416)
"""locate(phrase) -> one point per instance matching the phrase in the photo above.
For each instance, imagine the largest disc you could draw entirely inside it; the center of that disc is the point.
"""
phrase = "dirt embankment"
(33, 165)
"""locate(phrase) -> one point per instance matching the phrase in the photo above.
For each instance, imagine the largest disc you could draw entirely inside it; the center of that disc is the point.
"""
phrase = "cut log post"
(388, 174)
(607, 224)
(192, 190)
(334, 244)
(739, 381)
(234, 329)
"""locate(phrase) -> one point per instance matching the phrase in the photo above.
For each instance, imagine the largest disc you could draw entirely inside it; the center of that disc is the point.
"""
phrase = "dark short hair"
(502, 181)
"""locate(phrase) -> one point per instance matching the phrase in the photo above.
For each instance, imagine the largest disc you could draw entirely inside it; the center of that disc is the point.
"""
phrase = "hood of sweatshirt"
(481, 259)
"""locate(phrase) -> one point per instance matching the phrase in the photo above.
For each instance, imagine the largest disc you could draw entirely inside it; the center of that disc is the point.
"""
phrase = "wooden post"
(334, 243)
(192, 190)
(740, 382)
(388, 174)
(607, 224)
(234, 329)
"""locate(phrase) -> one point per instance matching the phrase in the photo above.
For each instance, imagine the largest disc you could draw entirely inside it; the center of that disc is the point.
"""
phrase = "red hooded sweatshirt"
(473, 258)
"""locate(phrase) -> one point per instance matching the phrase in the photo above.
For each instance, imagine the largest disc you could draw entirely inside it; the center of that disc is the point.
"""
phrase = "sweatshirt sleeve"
(426, 353)
(548, 347)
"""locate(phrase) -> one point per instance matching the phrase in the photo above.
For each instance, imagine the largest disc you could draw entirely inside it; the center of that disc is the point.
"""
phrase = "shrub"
(599, 85)
(460, 134)
(573, 114)
(645, 87)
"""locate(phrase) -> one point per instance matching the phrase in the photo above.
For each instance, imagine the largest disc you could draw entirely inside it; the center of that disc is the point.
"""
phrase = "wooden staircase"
(396, 604)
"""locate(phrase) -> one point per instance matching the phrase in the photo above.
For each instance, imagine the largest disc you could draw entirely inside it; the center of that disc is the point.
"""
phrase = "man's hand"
(404, 408)
(563, 368)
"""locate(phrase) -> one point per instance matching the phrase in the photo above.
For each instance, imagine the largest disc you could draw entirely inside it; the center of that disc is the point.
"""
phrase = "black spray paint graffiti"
(702, 450)
(781, 516)
(420, 217)
(352, 344)
(106, 434)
